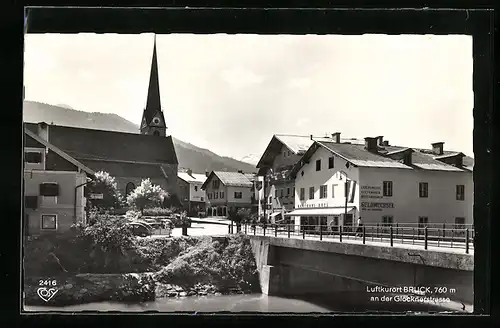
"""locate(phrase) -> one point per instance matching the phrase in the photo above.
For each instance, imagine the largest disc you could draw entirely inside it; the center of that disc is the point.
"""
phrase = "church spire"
(153, 121)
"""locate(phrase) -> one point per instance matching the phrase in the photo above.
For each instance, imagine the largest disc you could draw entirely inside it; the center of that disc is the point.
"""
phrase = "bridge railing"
(444, 236)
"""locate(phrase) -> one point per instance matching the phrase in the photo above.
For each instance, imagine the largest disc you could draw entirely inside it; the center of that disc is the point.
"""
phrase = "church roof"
(120, 169)
(90, 144)
(153, 103)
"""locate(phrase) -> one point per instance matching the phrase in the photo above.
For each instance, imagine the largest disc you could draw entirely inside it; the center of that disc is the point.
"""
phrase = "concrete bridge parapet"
(294, 266)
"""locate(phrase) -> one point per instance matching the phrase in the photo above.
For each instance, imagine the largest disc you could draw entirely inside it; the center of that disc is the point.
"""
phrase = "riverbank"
(146, 270)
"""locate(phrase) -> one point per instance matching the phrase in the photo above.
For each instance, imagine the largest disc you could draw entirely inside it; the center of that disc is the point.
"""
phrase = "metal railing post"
(425, 237)
(444, 231)
(288, 228)
(377, 231)
(245, 228)
(467, 241)
(304, 233)
(397, 229)
(391, 235)
(320, 232)
(413, 235)
(254, 230)
(264, 231)
(275, 230)
(340, 232)
(229, 229)
(364, 235)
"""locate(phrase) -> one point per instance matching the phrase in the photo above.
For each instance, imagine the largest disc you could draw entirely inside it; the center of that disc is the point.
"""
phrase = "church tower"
(153, 121)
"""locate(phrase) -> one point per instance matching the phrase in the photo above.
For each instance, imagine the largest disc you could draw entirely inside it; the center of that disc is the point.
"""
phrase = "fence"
(435, 235)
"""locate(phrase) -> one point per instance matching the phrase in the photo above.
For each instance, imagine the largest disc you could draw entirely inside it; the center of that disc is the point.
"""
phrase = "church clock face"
(156, 121)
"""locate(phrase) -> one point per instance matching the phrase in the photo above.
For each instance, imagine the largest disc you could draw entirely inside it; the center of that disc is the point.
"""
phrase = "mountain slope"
(189, 156)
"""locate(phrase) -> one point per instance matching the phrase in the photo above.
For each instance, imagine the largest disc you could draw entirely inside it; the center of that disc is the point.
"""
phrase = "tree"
(146, 195)
(242, 216)
(106, 185)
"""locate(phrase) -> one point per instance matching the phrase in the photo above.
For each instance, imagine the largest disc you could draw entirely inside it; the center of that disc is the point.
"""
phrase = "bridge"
(377, 263)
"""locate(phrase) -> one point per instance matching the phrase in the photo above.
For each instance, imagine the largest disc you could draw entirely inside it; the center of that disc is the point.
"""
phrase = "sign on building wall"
(372, 199)
(96, 196)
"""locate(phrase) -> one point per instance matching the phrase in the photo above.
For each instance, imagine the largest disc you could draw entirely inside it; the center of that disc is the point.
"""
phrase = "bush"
(146, 195)
(227, 266)
(106, 185)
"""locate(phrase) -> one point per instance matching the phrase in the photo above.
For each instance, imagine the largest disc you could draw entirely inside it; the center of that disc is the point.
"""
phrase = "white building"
(229, 191)
(387, 184)
(190, 191)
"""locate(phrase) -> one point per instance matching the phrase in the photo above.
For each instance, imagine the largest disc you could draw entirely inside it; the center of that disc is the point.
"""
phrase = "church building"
(128, 157)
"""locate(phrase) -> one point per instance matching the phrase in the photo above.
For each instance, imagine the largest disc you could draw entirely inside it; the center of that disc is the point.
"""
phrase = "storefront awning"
(319, 211)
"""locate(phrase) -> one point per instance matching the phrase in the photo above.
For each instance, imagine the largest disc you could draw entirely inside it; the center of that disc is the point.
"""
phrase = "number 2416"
(47, 283)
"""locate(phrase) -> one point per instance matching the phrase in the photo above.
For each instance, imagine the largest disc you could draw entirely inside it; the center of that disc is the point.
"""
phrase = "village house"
(337, 182)
(229, 191)
(128, 157)
(277, 161)
(53, 187)
(192, 196)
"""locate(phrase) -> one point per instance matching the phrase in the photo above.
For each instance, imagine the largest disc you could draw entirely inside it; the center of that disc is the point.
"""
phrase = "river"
(246, 303)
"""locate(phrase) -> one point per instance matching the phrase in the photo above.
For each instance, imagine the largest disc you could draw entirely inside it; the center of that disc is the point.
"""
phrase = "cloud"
(241, 77)
(299, 83)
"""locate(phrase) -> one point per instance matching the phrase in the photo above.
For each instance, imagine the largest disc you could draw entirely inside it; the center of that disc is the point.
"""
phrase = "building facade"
(191, 194)
(275, 165)
(128, 157)
(228, 191)
(382, 184)
(53, 187)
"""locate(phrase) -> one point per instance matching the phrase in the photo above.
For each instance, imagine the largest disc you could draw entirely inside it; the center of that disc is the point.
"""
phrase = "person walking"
(359, 230)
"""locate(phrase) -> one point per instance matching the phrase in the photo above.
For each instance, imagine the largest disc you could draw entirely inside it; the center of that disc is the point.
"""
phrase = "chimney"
(43, 131)
(336, 137)
(207, 173)
(311, 137)
(190, 172)
(240, 171)
(380, 140)
(371, 144)
(386, 142)
(437, 148)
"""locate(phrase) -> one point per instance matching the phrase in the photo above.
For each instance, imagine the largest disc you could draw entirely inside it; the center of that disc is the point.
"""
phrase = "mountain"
(251, 158)
(188, 155)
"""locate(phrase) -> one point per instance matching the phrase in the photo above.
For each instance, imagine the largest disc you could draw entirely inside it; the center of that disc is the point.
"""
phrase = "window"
(287, 192)
(221, 195)
(156, 134)
(202, 199)
(195, 188)
(423, 189)
(387, 220)
(49, 189)
(460, 192)
(216, 195)
(209, 195)
(31, 202)
(282, 192)
(459, 223)
(289, 153)
(129, 188)
(331, 162)
(323, 191)
(423, 221)
(318, 165)
(333, 191)
(33, 157)
(215, 184)
(387, 188)
(302, 194)
(49, 222)
(311, 192)
(238, 194)
(284, 154)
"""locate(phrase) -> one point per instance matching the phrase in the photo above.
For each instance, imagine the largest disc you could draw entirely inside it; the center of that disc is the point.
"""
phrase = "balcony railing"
(461, 237)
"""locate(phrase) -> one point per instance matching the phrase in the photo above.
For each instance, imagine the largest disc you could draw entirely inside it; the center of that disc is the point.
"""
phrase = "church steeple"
(153, 121)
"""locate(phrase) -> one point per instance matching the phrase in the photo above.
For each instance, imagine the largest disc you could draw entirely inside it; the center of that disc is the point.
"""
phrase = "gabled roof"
(230, 179)
(59, 152)
(357, 155)
(93, 144)
(192, 178)
(121, 169)
(153, 103)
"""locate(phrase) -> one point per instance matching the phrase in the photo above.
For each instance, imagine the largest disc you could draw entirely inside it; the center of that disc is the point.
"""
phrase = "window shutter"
(49, 189)
(31, 202)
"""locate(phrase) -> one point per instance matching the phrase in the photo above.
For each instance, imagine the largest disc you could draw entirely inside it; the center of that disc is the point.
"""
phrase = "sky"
(231, 93)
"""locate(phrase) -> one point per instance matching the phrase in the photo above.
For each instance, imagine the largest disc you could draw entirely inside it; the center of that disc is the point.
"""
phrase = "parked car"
(141, 229)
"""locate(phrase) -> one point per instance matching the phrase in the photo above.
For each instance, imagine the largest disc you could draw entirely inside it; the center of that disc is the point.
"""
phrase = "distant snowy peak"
(251, 159)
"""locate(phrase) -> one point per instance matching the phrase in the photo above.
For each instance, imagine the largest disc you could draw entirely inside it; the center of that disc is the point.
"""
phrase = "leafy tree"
(106, 185)
(146, 195)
